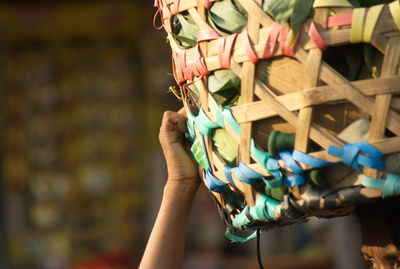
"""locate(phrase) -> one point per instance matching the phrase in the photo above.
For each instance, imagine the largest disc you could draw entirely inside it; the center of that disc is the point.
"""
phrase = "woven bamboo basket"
(289, 117)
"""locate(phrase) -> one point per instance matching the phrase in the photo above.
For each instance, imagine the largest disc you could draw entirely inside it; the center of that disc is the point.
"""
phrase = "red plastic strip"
(206, 3)
(226, 57)
(270, 44)
(316, 37)
(248, 48)
(207, 34)
(340, 20)
(283, 37)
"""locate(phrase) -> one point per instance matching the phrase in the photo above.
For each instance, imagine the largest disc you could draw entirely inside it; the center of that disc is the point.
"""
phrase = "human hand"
(180, 163)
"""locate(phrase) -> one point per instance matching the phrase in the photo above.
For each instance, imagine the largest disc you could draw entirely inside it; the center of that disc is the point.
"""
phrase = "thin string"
(260, 264)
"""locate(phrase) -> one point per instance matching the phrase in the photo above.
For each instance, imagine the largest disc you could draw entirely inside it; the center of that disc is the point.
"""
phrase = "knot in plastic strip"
(309, 160)
(286, 44)
(297, 179)
(245, 173)
(204, 124)
(228, 175)
(214, 184)
(350, 155)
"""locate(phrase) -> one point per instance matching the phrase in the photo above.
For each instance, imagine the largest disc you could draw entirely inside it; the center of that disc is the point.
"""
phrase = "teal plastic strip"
(392, 186)
(219, 115)
(190, 125)
(389, 186)
(204, 124)
(238, 239)
(260, 156)
(231, 120)
(264, 209)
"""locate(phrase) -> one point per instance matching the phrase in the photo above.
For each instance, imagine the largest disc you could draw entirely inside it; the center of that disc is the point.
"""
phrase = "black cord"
(260, 264)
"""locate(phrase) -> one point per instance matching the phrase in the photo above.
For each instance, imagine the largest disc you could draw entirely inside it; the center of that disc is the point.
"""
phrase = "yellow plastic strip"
(331, 3)
(395, 11)
(370, 22)
(357, 25)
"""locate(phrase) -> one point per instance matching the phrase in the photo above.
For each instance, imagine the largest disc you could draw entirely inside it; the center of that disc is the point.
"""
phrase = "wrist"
(180, 186)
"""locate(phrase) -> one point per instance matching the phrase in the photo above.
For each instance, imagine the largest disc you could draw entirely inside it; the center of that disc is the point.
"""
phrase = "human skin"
(165, 246)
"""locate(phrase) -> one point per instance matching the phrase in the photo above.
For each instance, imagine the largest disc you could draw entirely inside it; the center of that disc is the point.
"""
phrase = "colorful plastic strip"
(231, 120)
(370, 22)
(297, 179)
(264, 209)
(214, 184)
(287, 45)
(395, 11)
(228, 175)
(389, 186)
(245, 174)
(204, 124)
(206, 35)
(274, 168)
(331, 3)
(260, 156)
(340, 20)
(206, 3)
(350, 155)
(309, 160)
(190, 124)
(219, 115)
(225, 45)
(357, 25)
(316, 37)
(238, 239)
(248, 47)
(272, 38)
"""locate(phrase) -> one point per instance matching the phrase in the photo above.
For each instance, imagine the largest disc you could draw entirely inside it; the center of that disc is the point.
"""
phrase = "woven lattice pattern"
(290, 133)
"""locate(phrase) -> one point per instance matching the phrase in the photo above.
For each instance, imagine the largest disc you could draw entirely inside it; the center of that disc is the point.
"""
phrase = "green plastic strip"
(198, 153)
(260, 156)
(238, 239)
(389, 186)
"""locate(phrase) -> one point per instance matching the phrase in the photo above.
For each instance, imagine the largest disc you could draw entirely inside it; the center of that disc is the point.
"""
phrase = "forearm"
(166, 243)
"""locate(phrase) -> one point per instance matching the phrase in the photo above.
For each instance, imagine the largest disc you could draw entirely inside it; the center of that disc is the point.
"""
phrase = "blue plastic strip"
(227, 172)
(290, 162)
(374, 183)
(214, 183)
(292, 181)
(309, 160)
(350, 155)
(204, 124)
(274, 168)
(246, 174)
(231, 120)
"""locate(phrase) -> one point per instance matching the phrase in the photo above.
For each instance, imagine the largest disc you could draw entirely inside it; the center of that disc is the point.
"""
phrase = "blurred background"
(83, 85)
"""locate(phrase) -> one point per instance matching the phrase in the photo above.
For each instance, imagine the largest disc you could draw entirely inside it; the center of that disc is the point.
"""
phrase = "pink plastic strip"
(340, 20)
(226, 58)
(206, 3)
(207, 34)
(248, 48)
(272, 38)
(316, 37)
